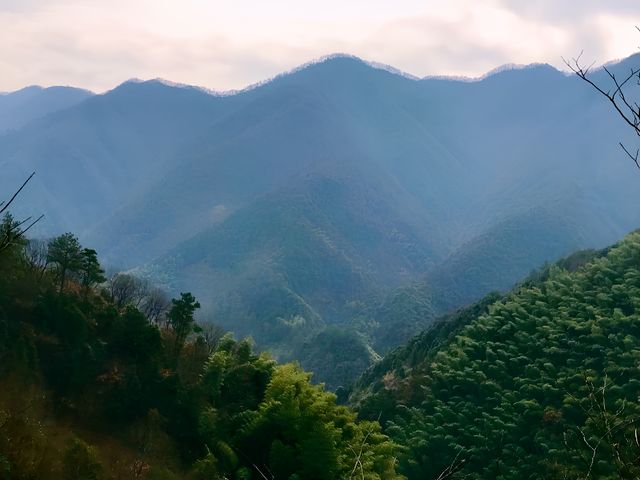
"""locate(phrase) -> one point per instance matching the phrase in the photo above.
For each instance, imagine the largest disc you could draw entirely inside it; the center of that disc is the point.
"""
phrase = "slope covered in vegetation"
(541, 383)
(91, 388)
(329, 187)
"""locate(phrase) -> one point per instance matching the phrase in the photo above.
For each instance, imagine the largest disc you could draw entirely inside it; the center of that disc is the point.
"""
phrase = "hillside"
(541, 383)
(317, 198)
(92, 387)
(449, 195)
(99, 153)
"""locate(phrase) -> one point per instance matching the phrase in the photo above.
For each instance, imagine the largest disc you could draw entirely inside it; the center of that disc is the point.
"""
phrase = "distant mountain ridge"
(22, 106)
(315, 198)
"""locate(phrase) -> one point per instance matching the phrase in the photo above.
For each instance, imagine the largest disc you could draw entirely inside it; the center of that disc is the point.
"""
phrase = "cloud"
(570, 11)
(97, 44)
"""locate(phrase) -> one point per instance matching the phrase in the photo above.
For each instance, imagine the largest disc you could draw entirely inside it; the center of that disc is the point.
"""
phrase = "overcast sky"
(98, 44)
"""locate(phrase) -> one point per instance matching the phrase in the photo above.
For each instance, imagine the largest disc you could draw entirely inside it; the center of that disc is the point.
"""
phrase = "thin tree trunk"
(63, 274)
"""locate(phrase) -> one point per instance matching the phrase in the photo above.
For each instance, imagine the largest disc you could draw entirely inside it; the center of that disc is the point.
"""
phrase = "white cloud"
(222, 44)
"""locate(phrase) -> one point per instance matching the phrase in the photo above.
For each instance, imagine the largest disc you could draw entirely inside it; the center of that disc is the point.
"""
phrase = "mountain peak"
(502, 69)
(349, 58)
(134, 84)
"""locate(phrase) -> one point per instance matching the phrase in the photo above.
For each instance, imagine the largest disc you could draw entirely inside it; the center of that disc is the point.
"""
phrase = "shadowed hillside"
(316, 198)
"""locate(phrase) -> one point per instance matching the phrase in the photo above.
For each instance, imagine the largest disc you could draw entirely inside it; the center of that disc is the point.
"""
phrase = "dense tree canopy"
(542, 384)
(65, 252)
(93, 387)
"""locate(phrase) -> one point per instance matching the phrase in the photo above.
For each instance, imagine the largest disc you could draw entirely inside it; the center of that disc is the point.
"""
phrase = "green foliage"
(90, 272)
(10, 233)
(533, 385)
(65, 251)
(80, 462)
(398, 377)
(336, 356)
(181, 318)
(299, 432)
(175, 402)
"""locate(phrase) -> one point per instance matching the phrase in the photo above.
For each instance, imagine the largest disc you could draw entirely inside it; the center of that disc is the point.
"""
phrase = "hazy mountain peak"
(516, 67)
(35, 89)
(346, 57)
(342, 60)
(22, 106)
(27, 89)
(326, 60)
(506, 68)
(171, 84)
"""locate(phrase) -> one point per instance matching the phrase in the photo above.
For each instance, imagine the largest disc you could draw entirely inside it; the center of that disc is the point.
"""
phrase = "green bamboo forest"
(539, 383)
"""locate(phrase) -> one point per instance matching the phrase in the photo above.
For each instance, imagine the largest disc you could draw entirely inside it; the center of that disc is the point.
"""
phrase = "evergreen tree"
(65, 251)
(90, 272)
(181, 319)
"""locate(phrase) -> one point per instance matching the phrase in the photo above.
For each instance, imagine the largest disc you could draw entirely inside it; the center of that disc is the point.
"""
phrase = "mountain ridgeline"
(409, 241)
(338, 195)
(31, 103)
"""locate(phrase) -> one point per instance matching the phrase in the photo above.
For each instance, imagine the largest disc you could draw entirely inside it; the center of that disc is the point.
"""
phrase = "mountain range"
(341, 193)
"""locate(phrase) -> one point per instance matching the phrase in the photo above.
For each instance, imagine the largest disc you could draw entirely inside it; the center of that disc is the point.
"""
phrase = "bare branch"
(6, 205)
(455, 466)
(627, 109)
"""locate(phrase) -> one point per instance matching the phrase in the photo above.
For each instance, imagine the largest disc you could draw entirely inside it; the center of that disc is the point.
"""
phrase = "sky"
(223, 45)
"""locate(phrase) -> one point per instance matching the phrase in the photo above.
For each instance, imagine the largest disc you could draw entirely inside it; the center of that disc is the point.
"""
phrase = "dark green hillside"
(338, 354)
(92, 389)
(521, 386)
(398, 316)
(497, 259)
(493, 261)
(374, 394)
(301, 256)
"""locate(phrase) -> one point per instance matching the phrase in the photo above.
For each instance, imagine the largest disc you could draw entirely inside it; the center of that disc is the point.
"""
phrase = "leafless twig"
(455, 466)
(615, 93)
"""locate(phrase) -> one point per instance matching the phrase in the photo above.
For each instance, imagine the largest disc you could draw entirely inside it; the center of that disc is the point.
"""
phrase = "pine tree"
(66, 252)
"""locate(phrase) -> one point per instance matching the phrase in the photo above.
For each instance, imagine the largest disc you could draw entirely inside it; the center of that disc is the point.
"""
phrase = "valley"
(318, 199)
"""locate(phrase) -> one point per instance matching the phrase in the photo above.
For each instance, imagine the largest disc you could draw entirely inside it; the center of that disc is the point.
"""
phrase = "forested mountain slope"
(316, 198)
(92, 387)
(100, 153)
(541, 383)
(463, 195)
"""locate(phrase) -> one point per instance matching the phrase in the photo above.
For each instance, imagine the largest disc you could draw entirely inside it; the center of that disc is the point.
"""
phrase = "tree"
(212, 334)
(90, 272)
(298, 431)
(181, 318)
(66, 252)
(126, 290)
(155, 304)
(36, 252)
(618, 93)
(12, 231)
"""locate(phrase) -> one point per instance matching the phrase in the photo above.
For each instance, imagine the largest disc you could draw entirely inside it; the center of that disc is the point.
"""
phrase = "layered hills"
(338, 194)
